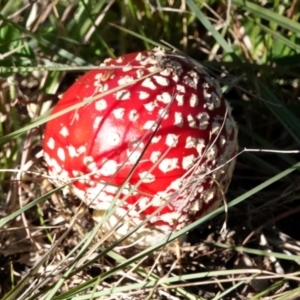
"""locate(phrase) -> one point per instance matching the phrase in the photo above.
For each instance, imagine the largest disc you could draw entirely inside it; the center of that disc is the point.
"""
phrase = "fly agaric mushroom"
(156, 141)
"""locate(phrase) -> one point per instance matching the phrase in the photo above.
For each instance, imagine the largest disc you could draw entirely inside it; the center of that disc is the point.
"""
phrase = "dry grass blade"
(49, 245)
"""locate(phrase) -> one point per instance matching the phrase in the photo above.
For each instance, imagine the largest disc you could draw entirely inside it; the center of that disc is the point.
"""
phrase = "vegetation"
(49, 247)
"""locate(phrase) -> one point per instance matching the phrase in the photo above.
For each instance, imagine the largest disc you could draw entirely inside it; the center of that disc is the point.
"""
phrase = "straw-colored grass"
(50, 247)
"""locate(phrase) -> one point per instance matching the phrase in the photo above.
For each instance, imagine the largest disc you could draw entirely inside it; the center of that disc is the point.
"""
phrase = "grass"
(49, 247)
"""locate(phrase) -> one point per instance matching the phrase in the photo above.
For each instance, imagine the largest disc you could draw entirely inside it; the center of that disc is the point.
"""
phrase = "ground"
(49, 248)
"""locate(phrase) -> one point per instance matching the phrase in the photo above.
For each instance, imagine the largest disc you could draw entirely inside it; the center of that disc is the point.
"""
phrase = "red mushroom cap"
(157, 119)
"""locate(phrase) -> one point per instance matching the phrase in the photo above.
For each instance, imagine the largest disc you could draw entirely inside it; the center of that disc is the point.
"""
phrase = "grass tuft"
(50, 247)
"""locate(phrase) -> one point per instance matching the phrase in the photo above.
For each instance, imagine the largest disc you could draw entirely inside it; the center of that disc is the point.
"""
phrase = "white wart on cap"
(164, 124)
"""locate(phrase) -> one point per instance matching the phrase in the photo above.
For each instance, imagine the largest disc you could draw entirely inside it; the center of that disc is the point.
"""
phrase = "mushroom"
(155, 141)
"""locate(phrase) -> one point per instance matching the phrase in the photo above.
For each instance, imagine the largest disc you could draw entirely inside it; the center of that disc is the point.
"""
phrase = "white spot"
(124, 80)
(160, 199)
(215, 99)
(143, 95)
(159, 52)
(129, 189)
(138, 144)
(189, 82)
(203, 120)
(119, 59)
(139, 73)
(90, 163)
(192, 121)
(148, 83)
(144, 202)
(175, 78)
(139, 57)
(179, 99)
(119, 113)
(106, 60)
(209, 195)
(84, 180)
(111, 189)
(165, 72)
(127, 68)
(47, 158)
(196, 205)
(190, 142)
(215, 128)
(98, 76)
(152, 220)
(150, 106)
(222, 140)
(81, 149)
(176, 184)
(188, 161)
(209, 103)
(200, 188)
(100, 105)
(194, 100)
(172, 140)
(161, 80)
(156, 139)
(97, 122)
(212, 152)
(113, 139)
(109, 168)
(200, 146)
(205, 85)
(147, 177)
(163, 113)
(51, 143)
(150, 125)
(170, 218)
(164, 97)
(102, 87)
(56, 166)
(65, 175)
(195, 77)
(72, 151)
(206, 94)
(155, 155)
(77, 173)
(123, 95)
(178, 119)
(61, 154)
(133, 156)
(180, 88)
(133, 115)
(168, 164)
(64, 131)
(154, 69)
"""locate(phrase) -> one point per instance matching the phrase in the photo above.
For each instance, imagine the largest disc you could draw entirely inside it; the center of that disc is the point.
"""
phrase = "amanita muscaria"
(156, 141)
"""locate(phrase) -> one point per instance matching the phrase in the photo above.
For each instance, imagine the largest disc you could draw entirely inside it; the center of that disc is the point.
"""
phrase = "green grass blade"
(284, 115)
(210, 28)
(267, 14)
